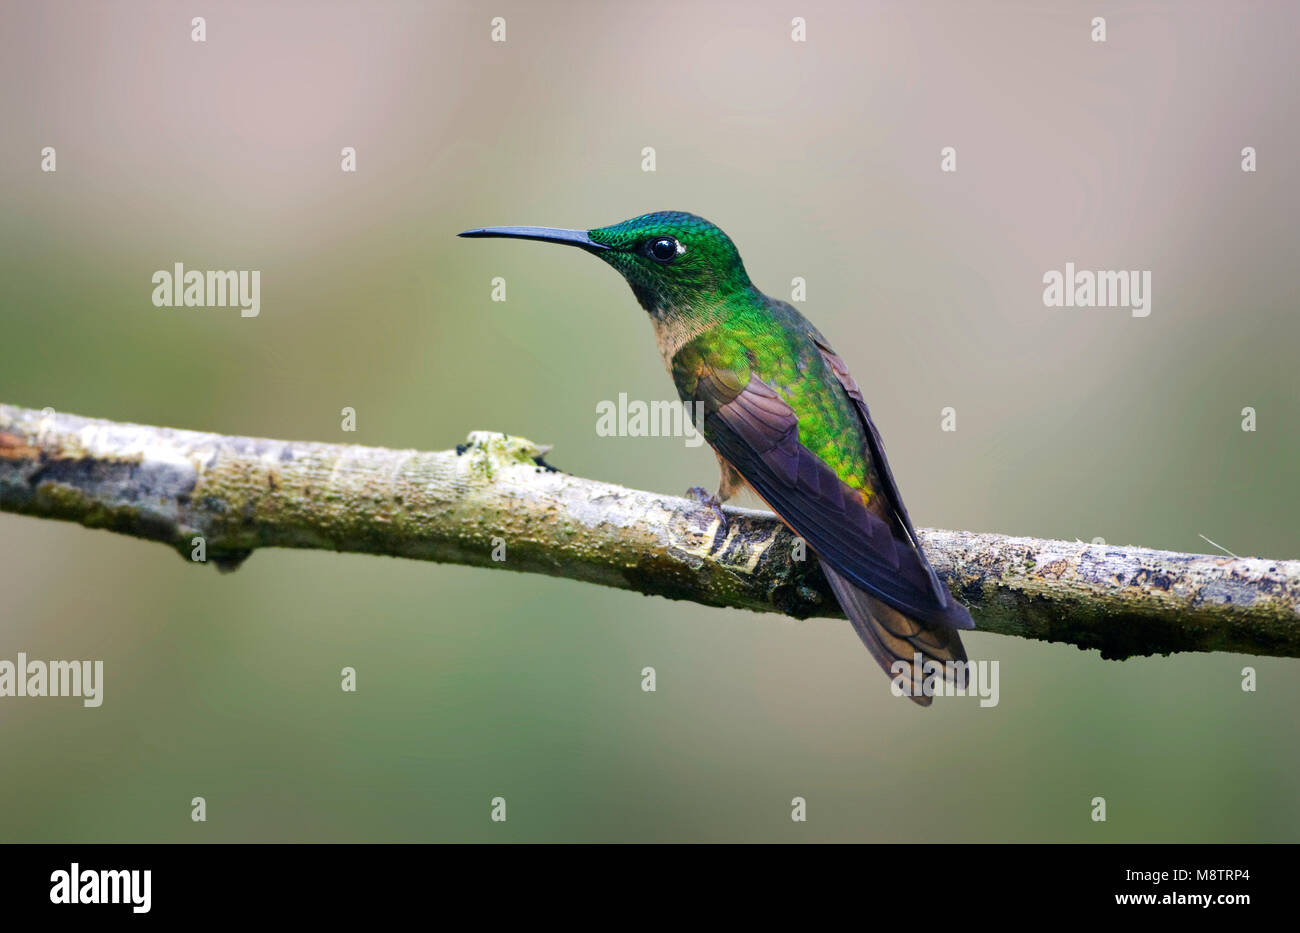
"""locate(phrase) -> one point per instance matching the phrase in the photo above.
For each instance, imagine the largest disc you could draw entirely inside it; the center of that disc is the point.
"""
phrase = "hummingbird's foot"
(712, 502)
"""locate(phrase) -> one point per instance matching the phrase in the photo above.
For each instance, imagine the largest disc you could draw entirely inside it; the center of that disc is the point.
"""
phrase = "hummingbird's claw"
(712, 502)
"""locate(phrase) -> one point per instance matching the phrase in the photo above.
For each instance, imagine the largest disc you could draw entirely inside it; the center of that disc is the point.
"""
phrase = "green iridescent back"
(773, 341)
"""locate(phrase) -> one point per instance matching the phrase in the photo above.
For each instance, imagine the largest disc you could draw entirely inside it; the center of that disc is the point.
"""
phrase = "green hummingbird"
(787, 420)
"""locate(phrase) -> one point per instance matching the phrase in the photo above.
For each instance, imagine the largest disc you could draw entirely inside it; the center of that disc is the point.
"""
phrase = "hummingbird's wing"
(889, 488)
(870, 554)
(883, 629)
(756, 430)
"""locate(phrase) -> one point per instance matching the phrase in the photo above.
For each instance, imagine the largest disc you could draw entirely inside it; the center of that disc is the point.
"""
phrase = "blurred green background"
(821, 159)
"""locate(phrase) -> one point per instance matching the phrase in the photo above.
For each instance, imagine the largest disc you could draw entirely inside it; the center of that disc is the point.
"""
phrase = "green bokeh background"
(822, 160)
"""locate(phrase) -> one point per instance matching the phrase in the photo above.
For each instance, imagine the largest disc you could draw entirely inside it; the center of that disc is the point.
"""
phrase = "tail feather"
(892, 637)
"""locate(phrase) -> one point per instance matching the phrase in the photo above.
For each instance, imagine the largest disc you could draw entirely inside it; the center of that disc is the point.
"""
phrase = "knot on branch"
(492, 450)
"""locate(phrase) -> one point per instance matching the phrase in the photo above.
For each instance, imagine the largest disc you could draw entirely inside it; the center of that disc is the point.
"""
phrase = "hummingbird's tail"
(894, 639)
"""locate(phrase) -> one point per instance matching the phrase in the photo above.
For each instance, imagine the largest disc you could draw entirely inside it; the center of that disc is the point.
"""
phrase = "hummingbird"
(787, 421)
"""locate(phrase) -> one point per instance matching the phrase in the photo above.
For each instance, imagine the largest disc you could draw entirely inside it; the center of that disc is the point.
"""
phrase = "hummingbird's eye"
(665, 249)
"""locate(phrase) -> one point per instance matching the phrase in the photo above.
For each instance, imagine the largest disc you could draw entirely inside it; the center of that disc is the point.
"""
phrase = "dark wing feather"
(876, 448)
(755, 431)
(895, 640)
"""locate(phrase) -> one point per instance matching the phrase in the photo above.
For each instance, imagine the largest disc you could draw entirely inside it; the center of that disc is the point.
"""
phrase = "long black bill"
(545, 234)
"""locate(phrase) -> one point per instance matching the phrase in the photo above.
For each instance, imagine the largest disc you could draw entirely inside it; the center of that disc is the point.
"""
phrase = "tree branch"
(459, 506)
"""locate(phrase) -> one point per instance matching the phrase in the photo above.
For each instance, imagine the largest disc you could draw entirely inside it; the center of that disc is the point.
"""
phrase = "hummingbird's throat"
(650, 299)
(677, 325)
(661, 301)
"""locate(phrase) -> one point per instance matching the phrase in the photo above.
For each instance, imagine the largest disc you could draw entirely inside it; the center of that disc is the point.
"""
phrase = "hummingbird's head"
(674, 261)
